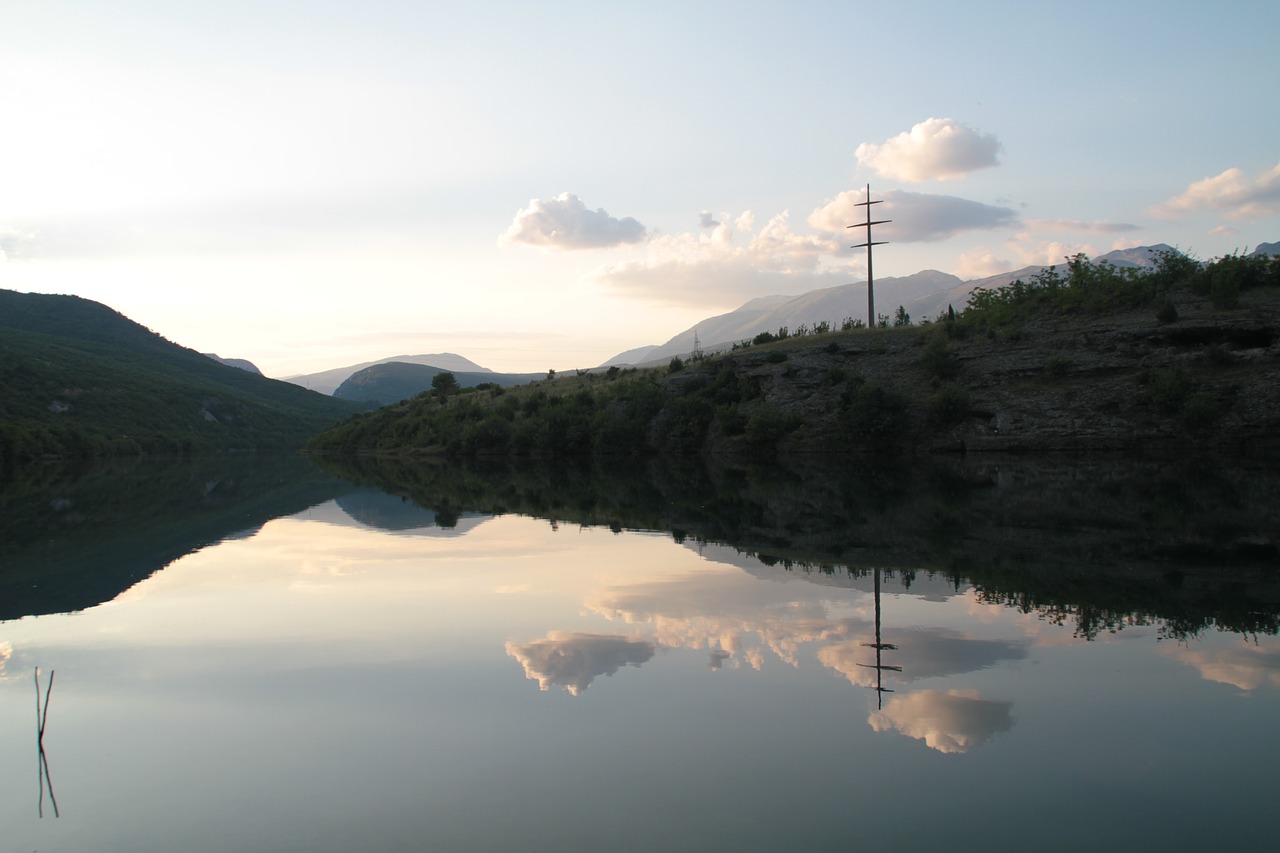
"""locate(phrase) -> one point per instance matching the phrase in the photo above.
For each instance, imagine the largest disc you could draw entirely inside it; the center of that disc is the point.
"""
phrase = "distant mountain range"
(923, 295)
(327, 381)
(393, 381)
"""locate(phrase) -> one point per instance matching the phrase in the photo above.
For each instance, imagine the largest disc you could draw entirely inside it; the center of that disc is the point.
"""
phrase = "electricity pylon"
(871, 297)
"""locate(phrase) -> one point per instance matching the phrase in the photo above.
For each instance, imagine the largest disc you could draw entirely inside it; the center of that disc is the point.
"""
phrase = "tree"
(444, 383)
(901, 317)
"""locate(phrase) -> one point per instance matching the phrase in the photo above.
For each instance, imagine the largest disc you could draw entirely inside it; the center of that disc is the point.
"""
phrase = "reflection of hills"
(74, 539)
(1098, 540)
(375, 508)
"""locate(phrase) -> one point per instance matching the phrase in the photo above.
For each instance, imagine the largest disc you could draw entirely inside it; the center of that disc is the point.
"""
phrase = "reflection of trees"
(1099, 542)
(948, 721)
(73, 537)
(573, 661)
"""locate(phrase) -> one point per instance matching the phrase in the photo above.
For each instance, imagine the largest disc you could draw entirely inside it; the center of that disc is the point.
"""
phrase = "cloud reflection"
(726, 613)
(921, 654)
(573, 661)
(952, 721)
(1246, 667)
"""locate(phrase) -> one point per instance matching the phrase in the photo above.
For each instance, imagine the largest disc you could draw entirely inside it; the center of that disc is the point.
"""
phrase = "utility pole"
(880, 666)
(871, 297)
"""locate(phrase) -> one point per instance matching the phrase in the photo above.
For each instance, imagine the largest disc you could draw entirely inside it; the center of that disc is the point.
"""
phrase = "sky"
(309, 184)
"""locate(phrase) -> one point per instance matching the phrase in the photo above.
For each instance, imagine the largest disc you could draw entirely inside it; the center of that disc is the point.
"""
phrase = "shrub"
(937, 359)
(1167, 313)
(950, 406)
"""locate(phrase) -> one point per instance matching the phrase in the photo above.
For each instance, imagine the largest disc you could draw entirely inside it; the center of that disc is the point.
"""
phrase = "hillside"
(327, 381)
(1101, 358)
(393, 381)
(78, 379)
(924, 296)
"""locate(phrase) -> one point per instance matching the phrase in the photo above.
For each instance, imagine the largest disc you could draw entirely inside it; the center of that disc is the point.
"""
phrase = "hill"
(1101, 358)
(393, 381)
(327, 381)
(79, 379)
(923, 296)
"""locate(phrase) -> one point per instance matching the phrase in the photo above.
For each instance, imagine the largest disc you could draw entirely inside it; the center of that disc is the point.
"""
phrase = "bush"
(950, 406)
(937, 359)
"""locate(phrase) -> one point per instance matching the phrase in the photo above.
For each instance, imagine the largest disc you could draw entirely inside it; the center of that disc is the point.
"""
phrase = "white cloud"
(936, 149)
(980, 263)
(952, 721)
(564, 222)
(727, 263)
(916, 217)
(1232, 193)
(573, 661)
(1029, 252)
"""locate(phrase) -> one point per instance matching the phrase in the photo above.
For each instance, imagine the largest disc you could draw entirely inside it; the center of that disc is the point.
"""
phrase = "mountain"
(241, 363)
(327, 381)
(1267, 249)
(768, 314)
(393, 381)
(924, 295)
(80, 379)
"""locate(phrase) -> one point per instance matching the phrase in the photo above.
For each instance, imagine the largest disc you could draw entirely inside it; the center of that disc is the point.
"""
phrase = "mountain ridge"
(923, 295)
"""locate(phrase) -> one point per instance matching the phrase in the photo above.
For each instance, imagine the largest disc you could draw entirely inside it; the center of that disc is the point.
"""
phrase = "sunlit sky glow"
(313, 184)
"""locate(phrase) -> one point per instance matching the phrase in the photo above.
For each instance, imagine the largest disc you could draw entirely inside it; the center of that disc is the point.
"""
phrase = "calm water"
(279, 659)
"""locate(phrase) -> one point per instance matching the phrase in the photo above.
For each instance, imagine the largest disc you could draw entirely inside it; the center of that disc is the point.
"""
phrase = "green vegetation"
(895, 388)
(1089, 288)
(79, 380)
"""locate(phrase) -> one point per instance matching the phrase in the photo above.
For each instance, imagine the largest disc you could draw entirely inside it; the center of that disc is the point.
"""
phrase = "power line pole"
(871, 296)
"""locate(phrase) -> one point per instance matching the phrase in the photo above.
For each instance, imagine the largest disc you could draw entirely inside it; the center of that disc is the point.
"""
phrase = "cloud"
(564, 222)
(916, 217)
(1232, 193)
(924, 653)
(980, 263)
(707, 220)
(573, 661)
(1028, 252)
(954, 721)
(936, 149)
(1081, 226)
(727, 263)
(6, 652)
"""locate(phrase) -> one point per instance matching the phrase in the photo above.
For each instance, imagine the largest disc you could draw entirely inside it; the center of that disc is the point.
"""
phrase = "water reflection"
(949, 721)
(573, 661)
(698, 636)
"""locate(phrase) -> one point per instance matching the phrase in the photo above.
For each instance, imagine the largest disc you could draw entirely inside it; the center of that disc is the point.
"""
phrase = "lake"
(997, 654)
